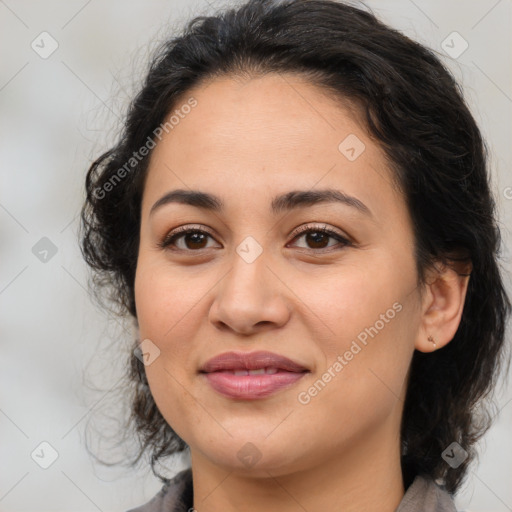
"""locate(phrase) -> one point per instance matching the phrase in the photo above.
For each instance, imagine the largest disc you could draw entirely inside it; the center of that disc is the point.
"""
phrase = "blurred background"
(67, 71)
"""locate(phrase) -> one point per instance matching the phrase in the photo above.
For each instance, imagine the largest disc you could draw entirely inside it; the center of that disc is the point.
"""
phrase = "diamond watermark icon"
(44, 455)
(454, 45)
(44, 250)
(249, 455)
(146, 352)
(351, 147)
(44, 45)
(454, 455)
(249, 249)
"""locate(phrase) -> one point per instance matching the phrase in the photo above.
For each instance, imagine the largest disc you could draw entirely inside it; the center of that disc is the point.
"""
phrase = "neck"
(366, 477)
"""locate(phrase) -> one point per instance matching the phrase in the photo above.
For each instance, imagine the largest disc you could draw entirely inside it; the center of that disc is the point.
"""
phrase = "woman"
(298, 217)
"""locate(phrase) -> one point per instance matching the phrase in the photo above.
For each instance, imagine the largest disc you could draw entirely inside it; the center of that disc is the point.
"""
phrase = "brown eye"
(193, 239)
(186, 239)
(318, 237)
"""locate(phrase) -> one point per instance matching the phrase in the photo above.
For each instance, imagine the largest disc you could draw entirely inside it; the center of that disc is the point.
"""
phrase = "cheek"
(176, 402)
(352, 298)
(167, 308)
(371, 318)
(165, 300)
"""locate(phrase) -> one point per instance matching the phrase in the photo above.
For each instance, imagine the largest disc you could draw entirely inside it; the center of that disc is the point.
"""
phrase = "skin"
(247, 141)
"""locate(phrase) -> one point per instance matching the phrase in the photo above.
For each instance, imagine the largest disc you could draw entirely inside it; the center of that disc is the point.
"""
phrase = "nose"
(250, 298)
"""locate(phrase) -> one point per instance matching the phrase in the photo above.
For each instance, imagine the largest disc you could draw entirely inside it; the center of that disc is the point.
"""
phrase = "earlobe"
(442, 307)
(431, 339)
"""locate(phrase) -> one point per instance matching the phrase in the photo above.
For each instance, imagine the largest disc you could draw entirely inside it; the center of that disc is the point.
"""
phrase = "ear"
(442, 306)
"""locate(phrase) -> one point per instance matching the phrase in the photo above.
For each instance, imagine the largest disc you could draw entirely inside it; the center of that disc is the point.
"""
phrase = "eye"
(187, 238)
(319, 236)
(192, 238)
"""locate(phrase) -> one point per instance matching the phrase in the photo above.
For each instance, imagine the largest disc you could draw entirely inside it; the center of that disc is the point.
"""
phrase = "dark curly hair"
(415, 110)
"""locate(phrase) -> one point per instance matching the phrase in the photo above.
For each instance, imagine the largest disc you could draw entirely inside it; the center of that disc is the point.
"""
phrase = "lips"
(251, 361)
(251, 376)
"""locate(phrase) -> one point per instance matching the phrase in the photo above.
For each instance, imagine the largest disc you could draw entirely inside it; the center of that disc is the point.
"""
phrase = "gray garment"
(423, 495)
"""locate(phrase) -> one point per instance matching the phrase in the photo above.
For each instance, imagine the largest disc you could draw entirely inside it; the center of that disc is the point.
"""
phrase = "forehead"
(255, 109)
(267, 134)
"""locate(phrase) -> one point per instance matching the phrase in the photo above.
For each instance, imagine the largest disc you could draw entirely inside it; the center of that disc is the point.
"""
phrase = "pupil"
(196, 237)
(314, 235)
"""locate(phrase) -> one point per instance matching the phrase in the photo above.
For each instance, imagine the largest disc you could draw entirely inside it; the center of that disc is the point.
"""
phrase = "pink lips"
(250, 376)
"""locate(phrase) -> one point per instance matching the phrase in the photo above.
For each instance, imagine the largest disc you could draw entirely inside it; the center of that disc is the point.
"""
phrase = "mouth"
(251, 376)
(259, 371)
(250, 361)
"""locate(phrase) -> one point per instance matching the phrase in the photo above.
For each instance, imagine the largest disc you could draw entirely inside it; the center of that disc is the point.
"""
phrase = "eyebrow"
(284, 202)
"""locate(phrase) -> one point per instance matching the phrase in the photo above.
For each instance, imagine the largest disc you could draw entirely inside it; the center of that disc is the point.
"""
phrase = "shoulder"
(425, 495)
(174, 496)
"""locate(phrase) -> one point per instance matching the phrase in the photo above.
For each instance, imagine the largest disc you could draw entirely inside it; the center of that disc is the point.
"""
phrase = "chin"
(260, 458)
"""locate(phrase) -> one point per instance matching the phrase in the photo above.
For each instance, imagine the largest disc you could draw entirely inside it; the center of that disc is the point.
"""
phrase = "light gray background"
(60, 112)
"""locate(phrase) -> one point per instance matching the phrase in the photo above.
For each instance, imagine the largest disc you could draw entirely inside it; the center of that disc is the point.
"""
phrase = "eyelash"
(171, 238)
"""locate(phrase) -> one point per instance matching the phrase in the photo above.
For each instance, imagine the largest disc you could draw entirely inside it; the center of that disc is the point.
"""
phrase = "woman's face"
(247, 280)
